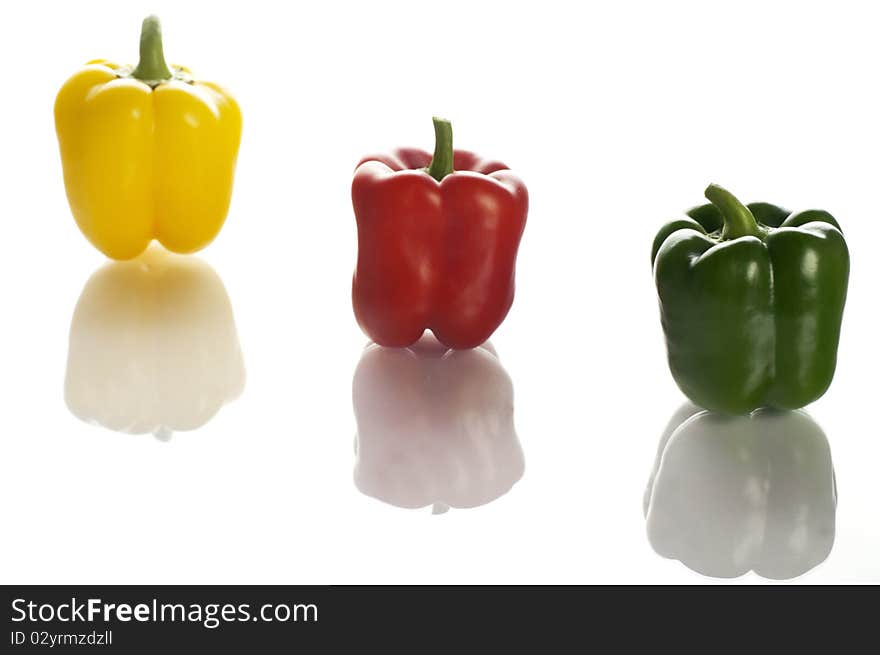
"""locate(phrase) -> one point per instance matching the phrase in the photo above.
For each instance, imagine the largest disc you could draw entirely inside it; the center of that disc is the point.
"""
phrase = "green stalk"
(738, 220)
(151, 68)
(441, 164)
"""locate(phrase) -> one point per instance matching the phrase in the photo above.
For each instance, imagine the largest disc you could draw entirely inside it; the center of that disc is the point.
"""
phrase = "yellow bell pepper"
(148, 153)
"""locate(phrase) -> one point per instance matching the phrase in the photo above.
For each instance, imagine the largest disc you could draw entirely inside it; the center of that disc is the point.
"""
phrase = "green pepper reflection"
(733, 494)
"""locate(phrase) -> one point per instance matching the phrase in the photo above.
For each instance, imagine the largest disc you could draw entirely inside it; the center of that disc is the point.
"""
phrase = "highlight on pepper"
(437, 243)
(751, 301)
(148, 152)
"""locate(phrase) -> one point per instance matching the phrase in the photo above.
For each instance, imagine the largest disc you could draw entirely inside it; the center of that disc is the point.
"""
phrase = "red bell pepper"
(437, 244)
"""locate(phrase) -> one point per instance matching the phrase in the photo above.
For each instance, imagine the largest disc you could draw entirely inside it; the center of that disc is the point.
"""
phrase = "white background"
(615, 114)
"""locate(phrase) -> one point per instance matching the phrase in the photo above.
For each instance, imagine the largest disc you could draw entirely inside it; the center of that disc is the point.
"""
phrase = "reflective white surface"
(616, 115)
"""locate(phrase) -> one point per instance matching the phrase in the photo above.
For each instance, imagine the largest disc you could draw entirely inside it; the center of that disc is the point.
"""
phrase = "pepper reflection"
(435, 426)
(153, 346)
(734, 494)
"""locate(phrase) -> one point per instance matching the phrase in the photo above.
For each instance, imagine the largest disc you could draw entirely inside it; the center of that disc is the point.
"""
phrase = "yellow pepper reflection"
(153, 346)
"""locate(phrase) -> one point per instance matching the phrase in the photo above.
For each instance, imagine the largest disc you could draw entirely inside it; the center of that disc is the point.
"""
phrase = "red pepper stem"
(738, 219)
(441, 164)
(151, 68)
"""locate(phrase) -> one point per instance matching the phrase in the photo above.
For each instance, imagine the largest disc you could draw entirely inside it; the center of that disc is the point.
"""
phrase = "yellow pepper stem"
(151, 68)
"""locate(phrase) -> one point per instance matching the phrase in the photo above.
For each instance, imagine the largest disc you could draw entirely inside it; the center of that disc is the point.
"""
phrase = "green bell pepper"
(751, 302)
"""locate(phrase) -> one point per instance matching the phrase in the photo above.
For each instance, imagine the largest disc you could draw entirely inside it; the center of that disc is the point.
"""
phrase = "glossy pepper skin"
(148, 153)
(436, 248)
(751, 301)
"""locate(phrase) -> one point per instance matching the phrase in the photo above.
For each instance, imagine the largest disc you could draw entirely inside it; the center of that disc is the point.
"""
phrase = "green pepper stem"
(151, 68)
(441, 164)
(738, 220)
